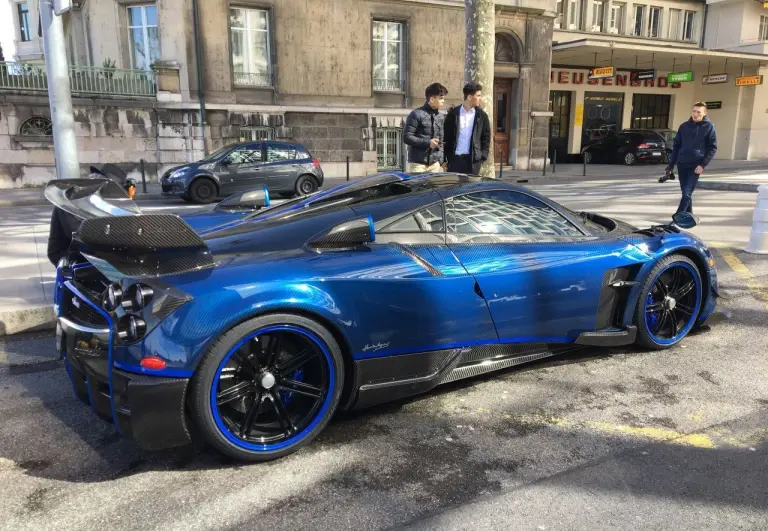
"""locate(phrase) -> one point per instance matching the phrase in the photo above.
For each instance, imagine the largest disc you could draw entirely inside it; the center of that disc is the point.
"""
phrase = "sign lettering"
(747, 81)
(714, 104)
(566, 77)
(680, 77)
(600, 72)
(642, 75)
(713, 79)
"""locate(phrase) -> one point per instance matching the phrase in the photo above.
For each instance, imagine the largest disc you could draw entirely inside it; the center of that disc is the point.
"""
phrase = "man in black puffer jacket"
(694, 147)
(423, 132)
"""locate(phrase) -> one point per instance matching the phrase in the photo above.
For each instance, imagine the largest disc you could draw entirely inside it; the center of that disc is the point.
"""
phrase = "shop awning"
(587, 53)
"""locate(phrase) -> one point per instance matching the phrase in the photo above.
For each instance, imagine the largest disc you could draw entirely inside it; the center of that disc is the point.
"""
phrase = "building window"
(388, 148)
(575, 14)
(598, 16)
(256, 134)
(388, 52)
(617, 18)
(37, 126)
(637, 26)
(650, 111)
(24, 31)
(673, 31)
(249, 30)
(763, 33)
(559, 19)
(654, 23)
(688, 25)
(142, 36)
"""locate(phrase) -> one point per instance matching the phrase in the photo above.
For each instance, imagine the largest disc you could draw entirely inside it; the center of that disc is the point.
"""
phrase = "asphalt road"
(603, 439)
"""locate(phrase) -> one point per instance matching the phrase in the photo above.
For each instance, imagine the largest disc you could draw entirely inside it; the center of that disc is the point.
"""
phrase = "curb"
(728, 187)
(27, 320)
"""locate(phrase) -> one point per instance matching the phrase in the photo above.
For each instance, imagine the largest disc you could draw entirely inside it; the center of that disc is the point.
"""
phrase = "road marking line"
(759, 290)
(696, 440)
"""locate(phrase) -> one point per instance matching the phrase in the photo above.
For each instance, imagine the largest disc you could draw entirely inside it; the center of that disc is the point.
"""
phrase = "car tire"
(305, 185)
(186, 198)
(203, 190)
(284, 425)
(669, 303)
(629, 158)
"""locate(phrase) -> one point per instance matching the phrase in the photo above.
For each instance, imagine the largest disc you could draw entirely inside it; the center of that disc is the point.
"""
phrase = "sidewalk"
(726, 175)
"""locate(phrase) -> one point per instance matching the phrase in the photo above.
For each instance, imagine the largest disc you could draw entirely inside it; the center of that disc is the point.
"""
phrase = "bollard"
(544, 166)
(347, 167)
(584, 158)
(554, 162)
(758, 239)
(143, 178)
(501, 168)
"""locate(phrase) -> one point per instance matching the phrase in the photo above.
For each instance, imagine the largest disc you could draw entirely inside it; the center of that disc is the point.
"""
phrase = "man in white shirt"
(467, 133)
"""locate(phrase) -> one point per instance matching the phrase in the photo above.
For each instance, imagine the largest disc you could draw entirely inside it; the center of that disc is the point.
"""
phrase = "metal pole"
(501, 167)
(59, 95)
(200, 91)
(554, 162)
(584, 158)
(544, 166)
(143, 177)
(347, 167)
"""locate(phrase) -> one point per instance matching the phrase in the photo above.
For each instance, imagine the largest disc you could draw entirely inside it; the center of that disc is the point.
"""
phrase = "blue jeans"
(688, 182)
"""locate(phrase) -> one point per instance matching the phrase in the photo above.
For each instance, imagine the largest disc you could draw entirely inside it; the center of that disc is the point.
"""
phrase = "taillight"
(316, 162)
(643, 146)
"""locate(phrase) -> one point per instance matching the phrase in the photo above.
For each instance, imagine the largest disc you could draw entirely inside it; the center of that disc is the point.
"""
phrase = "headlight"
(177, 174)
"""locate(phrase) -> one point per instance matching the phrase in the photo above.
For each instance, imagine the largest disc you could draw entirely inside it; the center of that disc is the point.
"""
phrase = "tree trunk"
(478, 59)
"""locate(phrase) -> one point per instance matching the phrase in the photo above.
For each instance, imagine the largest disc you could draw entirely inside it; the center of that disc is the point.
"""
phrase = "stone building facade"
(339, 76)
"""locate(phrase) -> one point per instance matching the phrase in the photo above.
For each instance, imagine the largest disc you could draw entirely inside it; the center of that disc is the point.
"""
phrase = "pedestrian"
(694, 147)
(423, 132)
(468, 133)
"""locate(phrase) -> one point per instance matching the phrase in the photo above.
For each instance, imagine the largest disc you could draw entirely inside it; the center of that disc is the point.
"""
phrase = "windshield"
(669, 136)
(216, 154)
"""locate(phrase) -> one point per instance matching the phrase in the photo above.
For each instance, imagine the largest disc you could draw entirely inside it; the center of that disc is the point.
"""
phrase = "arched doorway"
(507, 55)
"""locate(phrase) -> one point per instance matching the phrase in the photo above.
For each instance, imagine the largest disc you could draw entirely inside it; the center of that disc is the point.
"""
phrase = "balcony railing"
(388, 85)
(246, 79)
(82, 80)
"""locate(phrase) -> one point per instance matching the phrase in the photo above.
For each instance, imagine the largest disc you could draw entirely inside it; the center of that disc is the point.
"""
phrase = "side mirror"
(250, 200)
(346, 235)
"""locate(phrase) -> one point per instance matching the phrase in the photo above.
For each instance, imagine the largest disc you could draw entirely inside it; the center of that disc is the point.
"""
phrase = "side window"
(506, 214)
(302, 153)
(245, 155)
(280, 153)
(429, 219)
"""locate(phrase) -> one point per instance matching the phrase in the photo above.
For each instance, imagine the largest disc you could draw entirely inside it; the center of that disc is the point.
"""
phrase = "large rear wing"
(121, 241)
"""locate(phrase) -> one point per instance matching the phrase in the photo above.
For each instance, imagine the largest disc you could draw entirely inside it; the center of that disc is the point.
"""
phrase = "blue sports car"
(250, 325)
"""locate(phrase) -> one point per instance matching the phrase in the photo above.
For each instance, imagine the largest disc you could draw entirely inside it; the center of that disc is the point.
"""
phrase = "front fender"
(659, 248)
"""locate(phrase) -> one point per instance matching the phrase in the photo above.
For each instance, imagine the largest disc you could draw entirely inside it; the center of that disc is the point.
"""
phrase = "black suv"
(629, 146)
(285, 168)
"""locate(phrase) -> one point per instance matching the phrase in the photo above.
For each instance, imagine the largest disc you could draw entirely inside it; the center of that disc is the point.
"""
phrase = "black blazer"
(481, 134)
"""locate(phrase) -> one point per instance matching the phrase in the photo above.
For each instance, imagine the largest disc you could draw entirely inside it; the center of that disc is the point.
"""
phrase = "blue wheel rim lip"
(693, 317)
(318, 417)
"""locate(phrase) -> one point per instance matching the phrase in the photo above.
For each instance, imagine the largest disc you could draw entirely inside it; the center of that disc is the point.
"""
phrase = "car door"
(418, 286)
(541, 275)
(280, 170)
(238, 170)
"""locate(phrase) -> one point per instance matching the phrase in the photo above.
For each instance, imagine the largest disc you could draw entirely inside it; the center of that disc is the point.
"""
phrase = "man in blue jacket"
(694, 147)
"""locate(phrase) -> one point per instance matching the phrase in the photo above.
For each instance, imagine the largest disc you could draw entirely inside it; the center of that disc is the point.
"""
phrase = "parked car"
(251, 334)
(669, 140)
(285, 168)
(628, 147)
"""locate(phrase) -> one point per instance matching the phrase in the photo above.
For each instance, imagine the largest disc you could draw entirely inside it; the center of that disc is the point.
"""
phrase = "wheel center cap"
(267, 380)
(670, 303)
